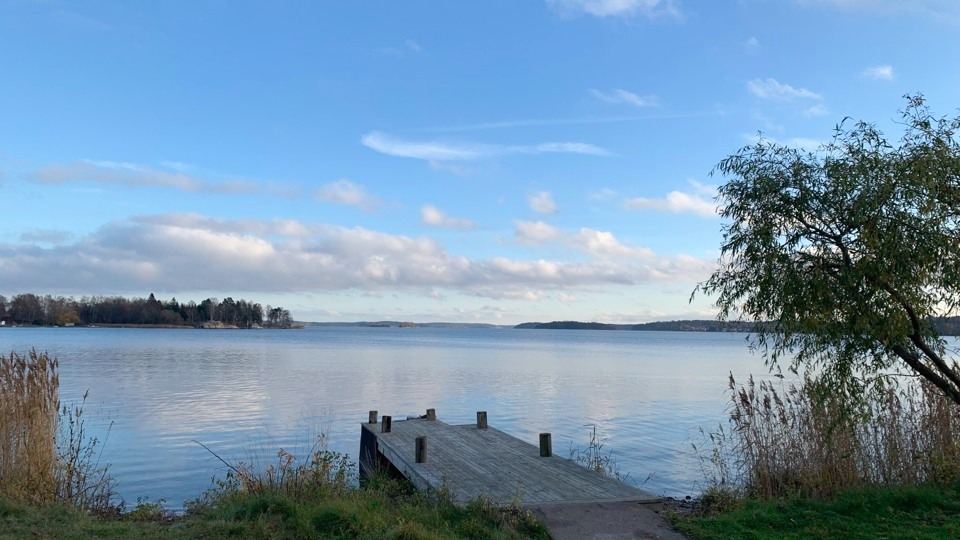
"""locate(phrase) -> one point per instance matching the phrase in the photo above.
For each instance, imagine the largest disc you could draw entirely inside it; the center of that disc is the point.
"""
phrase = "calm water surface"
(247, 393)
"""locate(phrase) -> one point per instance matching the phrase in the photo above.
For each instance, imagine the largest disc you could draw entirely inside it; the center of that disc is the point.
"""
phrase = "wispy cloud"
(752, 43)
(430, 151)
(602, 194)
(697, 201)
(542, 202)
(46, 236)
(618, 8)
(438, 151)
(409, 47)
(816, 110)
(533, 232)
(771, 89)
(622, 96)
(433, 216)
(558, 147)
(344, 191)
(880, 73)
(134, 175)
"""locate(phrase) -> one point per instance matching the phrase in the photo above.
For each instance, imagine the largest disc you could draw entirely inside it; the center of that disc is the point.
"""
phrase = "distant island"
(28, 309)
(946, 326)
(668, 326)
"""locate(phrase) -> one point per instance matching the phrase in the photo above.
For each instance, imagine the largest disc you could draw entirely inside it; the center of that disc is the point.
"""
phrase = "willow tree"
(843, 256)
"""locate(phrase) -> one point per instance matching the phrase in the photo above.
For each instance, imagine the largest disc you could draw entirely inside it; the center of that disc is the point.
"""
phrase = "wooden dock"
(475, 460)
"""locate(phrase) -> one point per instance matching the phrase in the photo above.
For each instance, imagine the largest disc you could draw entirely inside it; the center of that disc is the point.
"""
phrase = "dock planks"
(469, 462)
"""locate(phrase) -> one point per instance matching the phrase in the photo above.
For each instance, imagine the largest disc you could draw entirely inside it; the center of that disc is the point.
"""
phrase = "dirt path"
(605, 521)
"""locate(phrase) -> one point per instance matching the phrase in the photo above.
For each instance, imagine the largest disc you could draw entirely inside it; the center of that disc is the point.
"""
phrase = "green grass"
(888, 512)
(384, 509)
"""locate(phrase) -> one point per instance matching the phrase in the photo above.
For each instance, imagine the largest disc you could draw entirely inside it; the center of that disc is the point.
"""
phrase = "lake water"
(247, 393)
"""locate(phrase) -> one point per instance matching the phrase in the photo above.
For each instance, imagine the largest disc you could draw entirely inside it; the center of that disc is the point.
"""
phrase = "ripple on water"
(246, 394)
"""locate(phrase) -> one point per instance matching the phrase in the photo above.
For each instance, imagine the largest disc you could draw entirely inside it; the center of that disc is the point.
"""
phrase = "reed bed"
(29, 410)
(813, 440)
(45, 453)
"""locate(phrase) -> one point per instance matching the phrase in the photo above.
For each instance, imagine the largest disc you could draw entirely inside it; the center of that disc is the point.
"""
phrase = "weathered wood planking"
(469, 462)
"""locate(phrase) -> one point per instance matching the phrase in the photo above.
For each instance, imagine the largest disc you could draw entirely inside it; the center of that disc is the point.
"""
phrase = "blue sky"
(497, 161)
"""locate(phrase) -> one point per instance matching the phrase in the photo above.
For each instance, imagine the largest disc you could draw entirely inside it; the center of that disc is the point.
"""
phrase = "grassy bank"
(813, 461)
(386, 510)
(926, 512)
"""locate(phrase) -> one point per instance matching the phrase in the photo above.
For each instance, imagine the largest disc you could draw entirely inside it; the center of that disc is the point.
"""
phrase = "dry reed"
(815, 440)
(29, 406)
(45, 453)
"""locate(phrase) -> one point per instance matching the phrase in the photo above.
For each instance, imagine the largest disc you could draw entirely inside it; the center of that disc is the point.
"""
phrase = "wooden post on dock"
(373, 417)
(481, 419)
(387, 421)
(421, 449)
(546, 445)
(431, 414)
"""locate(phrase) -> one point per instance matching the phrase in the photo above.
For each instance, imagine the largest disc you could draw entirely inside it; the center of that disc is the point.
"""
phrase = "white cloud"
(430, 151)
(134, 175)
(880, 73)
(431, 215)
(344, 191)
(816, 110)
(622, 96)
(596, 244)
(602, 194)
(438, 152)
(603, 244)
(699, 201)
(190, 252)
(413, 46)
(618, 8)
(752, 43)
(534, 232)
(563, 147)
(771, 89)
(542, 202)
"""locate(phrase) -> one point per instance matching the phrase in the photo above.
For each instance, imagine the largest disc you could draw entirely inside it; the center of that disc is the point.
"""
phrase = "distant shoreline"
(162, 326)
(675, 326)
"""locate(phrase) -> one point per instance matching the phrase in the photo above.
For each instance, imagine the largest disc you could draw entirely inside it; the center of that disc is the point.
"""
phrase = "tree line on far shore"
(946, 326)
(32, 309)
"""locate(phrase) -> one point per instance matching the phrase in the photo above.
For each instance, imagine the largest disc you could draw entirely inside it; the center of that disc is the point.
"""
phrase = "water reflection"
(246, 394)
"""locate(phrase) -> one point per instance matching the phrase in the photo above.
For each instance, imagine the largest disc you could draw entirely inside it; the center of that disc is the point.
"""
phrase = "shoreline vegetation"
(808, 460)
(946, 326)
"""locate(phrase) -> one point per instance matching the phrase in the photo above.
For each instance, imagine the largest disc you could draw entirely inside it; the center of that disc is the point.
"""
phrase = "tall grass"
(317, 496)
(45, 452)
(814, 440)
(595, 458)
(29, 406)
